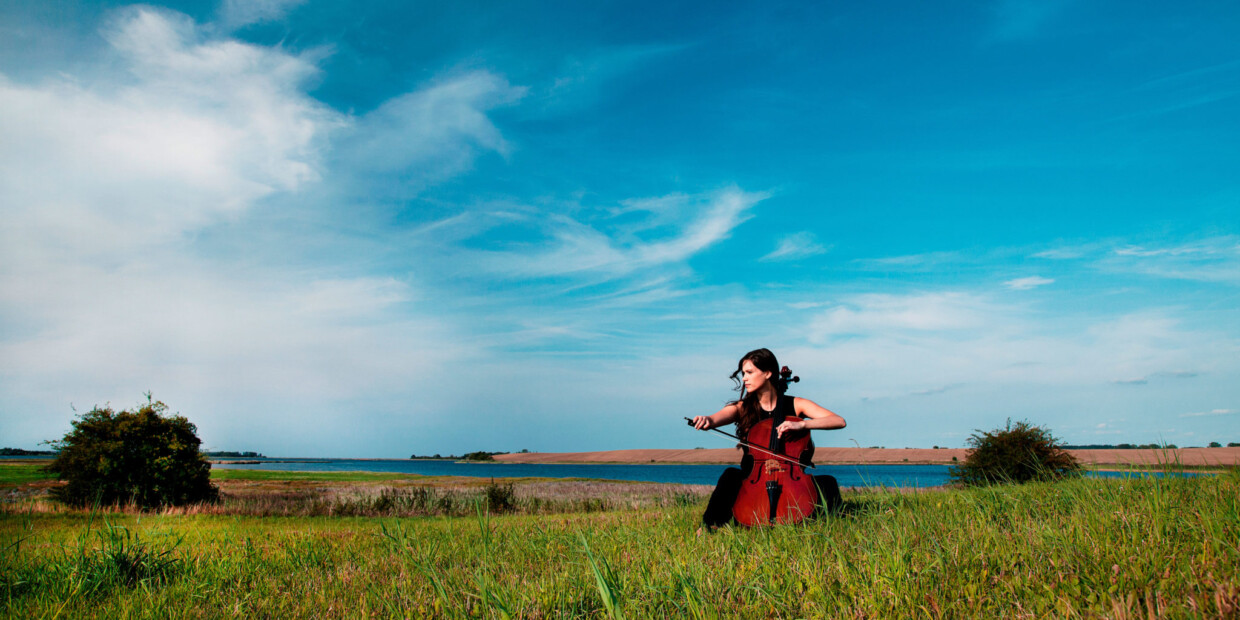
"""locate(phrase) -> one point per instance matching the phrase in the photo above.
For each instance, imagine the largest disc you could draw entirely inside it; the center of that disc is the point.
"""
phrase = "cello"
(777, 489)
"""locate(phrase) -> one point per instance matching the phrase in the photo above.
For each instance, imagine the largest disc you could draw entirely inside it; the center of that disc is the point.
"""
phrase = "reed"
(1149, 547)
(365, 494)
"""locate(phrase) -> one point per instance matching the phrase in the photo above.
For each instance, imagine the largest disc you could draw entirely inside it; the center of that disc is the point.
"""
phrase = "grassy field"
(1084, 548)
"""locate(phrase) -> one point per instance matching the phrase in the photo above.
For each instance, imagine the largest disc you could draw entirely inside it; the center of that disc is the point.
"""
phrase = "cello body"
(776, 490)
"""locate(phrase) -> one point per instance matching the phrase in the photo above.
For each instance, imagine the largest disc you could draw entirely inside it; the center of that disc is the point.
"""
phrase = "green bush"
(501, 497)
(1020, 453)
(132, 457)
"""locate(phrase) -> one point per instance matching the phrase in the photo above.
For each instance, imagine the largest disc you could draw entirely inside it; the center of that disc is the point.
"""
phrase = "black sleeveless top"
(783, 405)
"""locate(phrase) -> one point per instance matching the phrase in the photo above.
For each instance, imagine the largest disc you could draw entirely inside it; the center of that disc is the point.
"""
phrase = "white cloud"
(893, 346)
(197, 134)
(1215, 259)
(726, 210)
(575, 247)
(238, 13)
(582, 78)
(1211, 259)
(879, 313)
(927, 262)
(1175, 374)
(1212, 412)
(1025, 284)
(137, 250)
(796, 246)
(1062, 253)
(432, 133)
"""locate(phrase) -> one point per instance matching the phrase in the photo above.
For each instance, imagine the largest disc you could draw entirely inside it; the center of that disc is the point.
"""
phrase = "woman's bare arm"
(819, 417)
(724, 416)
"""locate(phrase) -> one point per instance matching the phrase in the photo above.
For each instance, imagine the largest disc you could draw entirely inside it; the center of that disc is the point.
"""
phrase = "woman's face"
(753, 378)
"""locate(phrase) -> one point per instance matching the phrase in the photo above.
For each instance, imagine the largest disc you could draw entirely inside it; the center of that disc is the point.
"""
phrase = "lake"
(916, 476)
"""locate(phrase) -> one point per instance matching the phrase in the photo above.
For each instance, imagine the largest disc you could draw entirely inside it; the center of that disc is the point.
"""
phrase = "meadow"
(1137, 547)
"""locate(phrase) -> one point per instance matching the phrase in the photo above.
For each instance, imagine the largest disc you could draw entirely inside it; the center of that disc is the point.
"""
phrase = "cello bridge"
(774, 467)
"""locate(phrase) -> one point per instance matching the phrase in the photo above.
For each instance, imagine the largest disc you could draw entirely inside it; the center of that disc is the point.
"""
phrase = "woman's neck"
(767, 399)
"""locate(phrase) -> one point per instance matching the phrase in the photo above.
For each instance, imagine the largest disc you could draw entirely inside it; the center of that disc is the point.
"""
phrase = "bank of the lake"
(1217, 457)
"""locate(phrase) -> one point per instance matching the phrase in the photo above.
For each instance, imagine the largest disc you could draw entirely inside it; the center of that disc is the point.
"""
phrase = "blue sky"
(326, 229)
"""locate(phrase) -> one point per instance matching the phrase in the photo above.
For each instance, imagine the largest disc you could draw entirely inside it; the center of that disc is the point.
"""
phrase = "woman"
(762, 390)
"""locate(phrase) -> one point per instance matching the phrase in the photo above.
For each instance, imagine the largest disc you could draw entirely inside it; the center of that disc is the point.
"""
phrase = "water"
(918, 476)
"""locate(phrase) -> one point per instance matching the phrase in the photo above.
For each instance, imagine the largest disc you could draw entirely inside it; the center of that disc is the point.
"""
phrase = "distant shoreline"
(1097, 459)
(1195, 457)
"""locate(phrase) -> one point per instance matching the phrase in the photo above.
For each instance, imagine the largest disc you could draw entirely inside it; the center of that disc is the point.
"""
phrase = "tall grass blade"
(606, 581)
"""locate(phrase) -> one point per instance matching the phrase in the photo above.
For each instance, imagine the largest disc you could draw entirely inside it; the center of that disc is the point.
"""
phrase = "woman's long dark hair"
(750, 411)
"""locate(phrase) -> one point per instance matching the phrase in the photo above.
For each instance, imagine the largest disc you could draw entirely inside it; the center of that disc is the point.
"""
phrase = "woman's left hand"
(790, 425)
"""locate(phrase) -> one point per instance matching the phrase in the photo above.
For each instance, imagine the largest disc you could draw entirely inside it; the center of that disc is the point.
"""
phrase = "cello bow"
(758, 448)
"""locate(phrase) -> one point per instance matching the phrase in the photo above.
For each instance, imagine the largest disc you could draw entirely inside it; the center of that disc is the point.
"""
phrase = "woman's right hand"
(703, 423)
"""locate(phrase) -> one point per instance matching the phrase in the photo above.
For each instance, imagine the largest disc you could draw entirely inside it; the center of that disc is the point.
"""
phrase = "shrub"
(1019, 453)
(501, 497)
(141, 457)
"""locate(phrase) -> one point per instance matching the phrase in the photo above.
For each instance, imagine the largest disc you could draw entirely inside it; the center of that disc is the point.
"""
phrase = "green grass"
(1081, 548)
(16, 473)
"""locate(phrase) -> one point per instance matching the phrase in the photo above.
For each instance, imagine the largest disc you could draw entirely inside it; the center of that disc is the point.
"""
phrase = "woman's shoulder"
(793, 403)
(800, 404)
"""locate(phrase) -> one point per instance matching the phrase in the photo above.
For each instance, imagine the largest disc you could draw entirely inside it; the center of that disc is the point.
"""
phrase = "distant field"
(1084, 548)
(1220, 457)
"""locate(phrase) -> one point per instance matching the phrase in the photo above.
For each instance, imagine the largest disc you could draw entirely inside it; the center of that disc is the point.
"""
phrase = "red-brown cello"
(777, 488)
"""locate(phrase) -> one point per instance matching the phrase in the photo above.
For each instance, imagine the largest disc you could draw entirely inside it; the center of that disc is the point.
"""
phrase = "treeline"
(233, 454)
(1142, 446)
(468, 456)
(20, 452)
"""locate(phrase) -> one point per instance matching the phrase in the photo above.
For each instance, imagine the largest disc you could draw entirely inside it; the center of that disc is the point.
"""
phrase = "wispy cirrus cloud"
(581, 77)
(1212, 412)
(1145, 380)
(881, 313)
(427, 135)
(599, 248)
(925, 262)
(1210, 259)
(240, 13)
(1028, 283)
(1214, 259)
(796, 246)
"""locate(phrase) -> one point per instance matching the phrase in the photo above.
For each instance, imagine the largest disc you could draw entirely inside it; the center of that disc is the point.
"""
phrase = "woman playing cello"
(762, 386)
